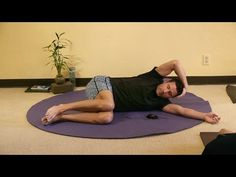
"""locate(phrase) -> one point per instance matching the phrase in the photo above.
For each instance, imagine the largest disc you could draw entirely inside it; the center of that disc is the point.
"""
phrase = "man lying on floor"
(144, 92)
(225, 143)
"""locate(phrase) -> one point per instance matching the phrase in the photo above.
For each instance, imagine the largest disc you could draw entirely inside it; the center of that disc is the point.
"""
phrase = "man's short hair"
(179, 85)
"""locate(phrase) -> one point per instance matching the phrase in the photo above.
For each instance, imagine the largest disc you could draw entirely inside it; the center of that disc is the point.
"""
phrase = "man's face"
(166, 90)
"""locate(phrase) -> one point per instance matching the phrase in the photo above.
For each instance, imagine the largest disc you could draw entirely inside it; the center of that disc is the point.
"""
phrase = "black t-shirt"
(138, 93)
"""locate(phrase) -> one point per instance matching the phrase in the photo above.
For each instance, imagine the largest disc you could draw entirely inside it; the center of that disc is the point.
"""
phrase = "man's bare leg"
(83, 117)
(101, 106)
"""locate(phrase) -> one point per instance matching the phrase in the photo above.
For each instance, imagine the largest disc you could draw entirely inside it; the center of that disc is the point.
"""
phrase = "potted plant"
(57, 58)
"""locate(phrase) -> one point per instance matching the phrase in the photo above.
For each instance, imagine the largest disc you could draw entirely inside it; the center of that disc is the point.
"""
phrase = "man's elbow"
(180, 110)
(174, 109)
(175, 63)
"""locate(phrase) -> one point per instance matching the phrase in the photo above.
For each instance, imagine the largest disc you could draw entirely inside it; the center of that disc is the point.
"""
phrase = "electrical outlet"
(205, 59)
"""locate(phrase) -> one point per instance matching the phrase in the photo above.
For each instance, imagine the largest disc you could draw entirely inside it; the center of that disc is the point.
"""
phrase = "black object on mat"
(207, 137)
(124, 124)
(231, 91)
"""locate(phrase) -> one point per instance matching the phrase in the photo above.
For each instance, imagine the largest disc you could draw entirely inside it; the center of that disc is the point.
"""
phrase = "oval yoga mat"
(124, 124)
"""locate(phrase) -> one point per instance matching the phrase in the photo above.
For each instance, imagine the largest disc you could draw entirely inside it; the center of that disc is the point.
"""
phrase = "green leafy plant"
(57, 58)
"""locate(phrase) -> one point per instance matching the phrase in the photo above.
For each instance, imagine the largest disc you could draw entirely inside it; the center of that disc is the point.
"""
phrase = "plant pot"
(59, 79)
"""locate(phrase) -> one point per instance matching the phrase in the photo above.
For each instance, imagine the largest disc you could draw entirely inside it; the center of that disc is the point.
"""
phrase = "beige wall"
(118, 49)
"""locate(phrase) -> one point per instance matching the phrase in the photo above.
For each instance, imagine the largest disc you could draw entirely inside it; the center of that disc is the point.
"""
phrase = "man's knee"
(106, 101)
(106, 105)
(105, 117)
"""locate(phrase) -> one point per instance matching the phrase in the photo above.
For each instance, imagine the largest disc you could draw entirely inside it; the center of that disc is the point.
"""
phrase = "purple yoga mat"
(124, 124)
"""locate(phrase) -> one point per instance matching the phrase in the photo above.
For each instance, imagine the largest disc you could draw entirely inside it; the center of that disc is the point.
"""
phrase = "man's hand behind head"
(183, 93)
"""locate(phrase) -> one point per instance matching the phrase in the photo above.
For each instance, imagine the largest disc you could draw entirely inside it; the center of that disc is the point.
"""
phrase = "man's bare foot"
(225, 131)
(46, 121)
